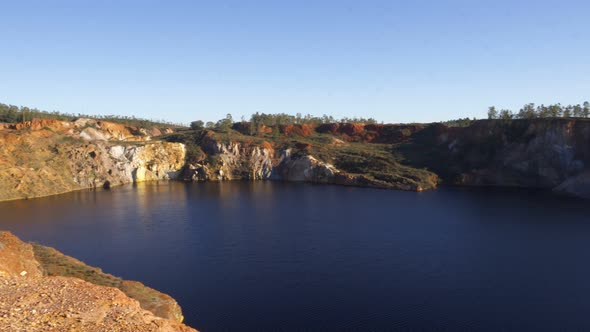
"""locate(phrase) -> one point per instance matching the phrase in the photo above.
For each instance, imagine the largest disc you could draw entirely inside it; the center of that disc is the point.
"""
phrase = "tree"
(492, 113)
(9, 113)
(225, 124)
(298, 118)
(25, 110)
(555, 111)
(586, 109)
(568, 111)
(252, 129)
(543, 111)
(578, 111)
(527, 111)
(506, 114)
(275, 132)
(197, 125)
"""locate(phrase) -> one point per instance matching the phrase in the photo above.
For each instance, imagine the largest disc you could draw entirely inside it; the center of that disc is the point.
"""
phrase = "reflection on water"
(278, 256)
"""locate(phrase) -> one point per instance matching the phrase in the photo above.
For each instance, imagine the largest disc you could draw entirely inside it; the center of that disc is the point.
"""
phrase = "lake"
(270, 256)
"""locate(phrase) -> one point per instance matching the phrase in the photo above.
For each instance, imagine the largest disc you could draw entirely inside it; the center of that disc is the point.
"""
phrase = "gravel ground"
(70, 304)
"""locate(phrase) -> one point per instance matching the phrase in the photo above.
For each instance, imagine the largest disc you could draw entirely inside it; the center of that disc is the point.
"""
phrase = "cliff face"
(96, 164)
(537, 153)
(36, 296)
(46, 157)
(234, 160)
(231, 160)
(305, 168)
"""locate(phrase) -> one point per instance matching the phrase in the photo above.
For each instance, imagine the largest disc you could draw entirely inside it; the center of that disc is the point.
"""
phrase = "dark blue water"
(291, 257)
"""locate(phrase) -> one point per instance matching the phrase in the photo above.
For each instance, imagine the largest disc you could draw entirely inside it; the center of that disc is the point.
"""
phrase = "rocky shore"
(34, 298)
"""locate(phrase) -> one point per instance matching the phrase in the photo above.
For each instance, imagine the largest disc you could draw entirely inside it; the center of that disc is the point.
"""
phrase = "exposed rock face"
(304, 169)
(238, 161)
(39, 124)
(70, 304)
(17, 258)
(160, 304)
(40, 161)
(371, 133)
(46, 157)
(32, 301)
(577, 185)
(121, 132)
(154, 161)
(537, 153)
(360, 180)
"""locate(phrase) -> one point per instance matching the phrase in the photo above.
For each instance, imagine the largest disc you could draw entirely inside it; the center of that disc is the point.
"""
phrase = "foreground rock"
(17, 258)
(54, 263)
(69, 304)
(32, 300)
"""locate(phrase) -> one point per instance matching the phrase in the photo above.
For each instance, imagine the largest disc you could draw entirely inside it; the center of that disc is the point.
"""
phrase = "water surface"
(288, 257)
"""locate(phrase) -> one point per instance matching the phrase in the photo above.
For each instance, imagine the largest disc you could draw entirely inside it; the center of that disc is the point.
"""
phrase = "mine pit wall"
(535, 153)
(105, 165)
(551, 154)
(74, 166)
(237, 161)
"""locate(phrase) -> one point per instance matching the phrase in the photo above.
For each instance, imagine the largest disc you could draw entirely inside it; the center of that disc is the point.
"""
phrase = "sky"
(396, 61)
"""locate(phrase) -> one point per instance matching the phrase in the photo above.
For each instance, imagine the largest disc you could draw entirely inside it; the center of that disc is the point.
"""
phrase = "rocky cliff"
(537, 153)
(231, 160)
(46, 157)
(35, 295)
(227, 158)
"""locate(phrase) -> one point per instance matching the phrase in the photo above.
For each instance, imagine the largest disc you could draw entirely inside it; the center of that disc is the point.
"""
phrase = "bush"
(197, 125)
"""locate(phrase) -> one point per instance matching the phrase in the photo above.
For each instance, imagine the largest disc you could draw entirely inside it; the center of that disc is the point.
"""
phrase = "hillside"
(47, 157)
(545, 153)
(44, 157)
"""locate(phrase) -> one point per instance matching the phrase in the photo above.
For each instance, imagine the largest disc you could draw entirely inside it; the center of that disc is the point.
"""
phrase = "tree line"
(287, 119)
(530, 111)
(13, 114)
(272, 120)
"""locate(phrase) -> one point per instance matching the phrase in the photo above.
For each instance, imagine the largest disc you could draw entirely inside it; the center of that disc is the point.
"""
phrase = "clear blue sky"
(397, 61)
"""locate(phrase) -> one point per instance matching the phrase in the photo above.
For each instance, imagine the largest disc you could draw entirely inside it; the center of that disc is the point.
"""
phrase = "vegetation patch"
(54, 263)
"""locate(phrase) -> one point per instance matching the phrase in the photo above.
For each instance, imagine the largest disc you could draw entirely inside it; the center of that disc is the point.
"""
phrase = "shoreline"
(463, 186)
